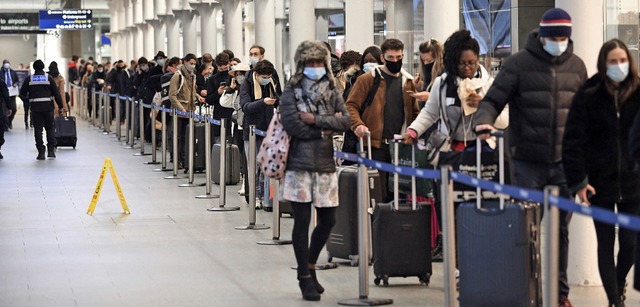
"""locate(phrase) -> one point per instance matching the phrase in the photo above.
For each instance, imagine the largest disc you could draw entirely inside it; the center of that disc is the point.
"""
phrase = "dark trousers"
(259, 174)
(383, 154)
(614, 274)
(535, 176)
(182, 135)
(239, 141)
(43, 120)
(3, 121)
(14, 108)
(308, 253)
(26, 112)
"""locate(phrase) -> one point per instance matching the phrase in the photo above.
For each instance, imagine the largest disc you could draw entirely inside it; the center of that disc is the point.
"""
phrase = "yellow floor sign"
(96, 194)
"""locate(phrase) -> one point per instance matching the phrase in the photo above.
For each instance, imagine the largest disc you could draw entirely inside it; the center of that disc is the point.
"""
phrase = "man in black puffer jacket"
(539, 83)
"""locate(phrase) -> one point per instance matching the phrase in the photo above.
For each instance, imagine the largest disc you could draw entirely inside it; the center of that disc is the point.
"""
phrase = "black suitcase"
(199, 147)
(233, 164)
(402, 238)
(343, 240)
(65, 131)
(499, 252)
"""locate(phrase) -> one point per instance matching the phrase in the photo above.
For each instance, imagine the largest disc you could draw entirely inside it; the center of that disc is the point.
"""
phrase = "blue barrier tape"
(625, 220)
(387, 167)
(122, 97)
(163, 109)
(113, 95)
(259, 132)
(182, 113)
(214, 121)
(198, 117)
(148, 106)
(130, 98)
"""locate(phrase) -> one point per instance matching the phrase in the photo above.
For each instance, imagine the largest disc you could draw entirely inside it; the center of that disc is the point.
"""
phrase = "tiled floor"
(169, 252)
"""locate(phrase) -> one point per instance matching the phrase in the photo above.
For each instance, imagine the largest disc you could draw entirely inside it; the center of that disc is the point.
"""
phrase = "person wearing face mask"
(216, 87)
(182, 95)
(258, 99)
(539, 83)
(117, 84)
(312, 110)
(59, 79)
(97, 83)
(392, 109)
(10, 78)
(203, 74)
(142, 90)
(160, 59)
(256, 54)
(431, 66)
(596, 158)
(231, 99)
(349, 63)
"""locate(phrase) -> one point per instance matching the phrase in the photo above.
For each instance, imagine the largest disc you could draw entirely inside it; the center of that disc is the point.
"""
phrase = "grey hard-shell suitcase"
(232, 167)
(402, 238)
(499, 251)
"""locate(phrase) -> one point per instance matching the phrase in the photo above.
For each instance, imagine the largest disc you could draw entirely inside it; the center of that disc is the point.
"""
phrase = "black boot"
(319, 287)
(40, 152)
(308, 289)
(51, 152)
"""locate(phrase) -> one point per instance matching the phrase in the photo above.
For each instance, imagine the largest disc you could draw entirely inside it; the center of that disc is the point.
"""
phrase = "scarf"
(257, 88)
(312, 96)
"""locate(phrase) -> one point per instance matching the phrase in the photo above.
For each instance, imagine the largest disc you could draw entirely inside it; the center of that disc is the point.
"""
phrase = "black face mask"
(394, 67)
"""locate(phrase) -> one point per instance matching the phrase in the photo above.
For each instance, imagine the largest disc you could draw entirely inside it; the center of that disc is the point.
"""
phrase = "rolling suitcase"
(65, 131)
(343, 240)
(232, 167)
(499, 250)
(402, 238)
(198, 147)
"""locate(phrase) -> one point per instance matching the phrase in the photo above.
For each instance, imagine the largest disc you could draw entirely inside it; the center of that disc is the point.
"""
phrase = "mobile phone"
(223, 83)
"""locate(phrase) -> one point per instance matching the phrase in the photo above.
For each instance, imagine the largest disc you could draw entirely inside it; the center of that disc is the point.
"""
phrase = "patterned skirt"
(321, 189)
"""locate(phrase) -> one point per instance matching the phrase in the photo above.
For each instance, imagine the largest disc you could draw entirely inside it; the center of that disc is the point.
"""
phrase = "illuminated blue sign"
(68, 19)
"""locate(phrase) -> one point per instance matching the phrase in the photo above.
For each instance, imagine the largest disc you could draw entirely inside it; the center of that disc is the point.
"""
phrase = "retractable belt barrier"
(624, 220)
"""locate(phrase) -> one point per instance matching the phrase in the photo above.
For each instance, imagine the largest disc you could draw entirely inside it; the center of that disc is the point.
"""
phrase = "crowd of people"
(565, 128)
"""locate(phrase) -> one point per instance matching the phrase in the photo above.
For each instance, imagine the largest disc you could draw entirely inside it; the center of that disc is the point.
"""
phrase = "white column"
(149, 40)
(173, 35)
(159, 7)
(208, 26)
(113, 25)
(159, 36)
(441, 19)
(189, 34)
(131, 44)
(232, 10)
(587, 35)
(281, 55)
(300, 27)
(148, 10)
(265, 26)
(249, 30)
(358, 24)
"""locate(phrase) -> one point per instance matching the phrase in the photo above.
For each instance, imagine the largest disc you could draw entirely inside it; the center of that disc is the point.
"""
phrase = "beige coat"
(60, 83)
(182, 98)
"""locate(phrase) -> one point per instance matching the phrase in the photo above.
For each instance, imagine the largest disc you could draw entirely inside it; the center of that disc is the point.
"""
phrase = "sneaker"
(51, 154)
(258, 204)
(40, 156)
(1, 156)
(564, 302)
(241, 191)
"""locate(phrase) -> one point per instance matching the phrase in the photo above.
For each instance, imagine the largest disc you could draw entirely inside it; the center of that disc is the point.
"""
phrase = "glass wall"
(621, 22)
(490, 23)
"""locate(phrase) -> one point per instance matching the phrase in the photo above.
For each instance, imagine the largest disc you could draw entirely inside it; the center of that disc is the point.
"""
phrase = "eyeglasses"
(468, 64)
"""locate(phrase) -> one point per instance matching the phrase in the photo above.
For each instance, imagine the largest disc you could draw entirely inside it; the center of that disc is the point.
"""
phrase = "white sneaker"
(258, 203)
(241, 191)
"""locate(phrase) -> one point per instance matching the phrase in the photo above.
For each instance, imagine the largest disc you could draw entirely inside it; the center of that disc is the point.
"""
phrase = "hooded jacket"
(595, 146)
(539, 89)
(256, 112)
(373, 116)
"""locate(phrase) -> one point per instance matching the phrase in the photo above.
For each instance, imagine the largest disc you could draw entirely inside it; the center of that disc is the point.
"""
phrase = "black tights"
(614, 276)
(308, 254)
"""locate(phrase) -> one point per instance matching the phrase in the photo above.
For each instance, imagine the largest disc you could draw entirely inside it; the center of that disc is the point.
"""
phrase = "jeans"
(259, 175)
(535, 176)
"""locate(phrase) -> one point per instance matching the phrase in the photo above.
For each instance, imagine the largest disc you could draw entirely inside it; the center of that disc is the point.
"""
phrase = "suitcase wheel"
(385, 281)
(425, 280)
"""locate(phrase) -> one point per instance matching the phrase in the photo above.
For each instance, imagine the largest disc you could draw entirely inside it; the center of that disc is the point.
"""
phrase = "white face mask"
(240, 79)
(7, 65)
(369, 66)
(254, 60)
(555, 48)
(618, 72)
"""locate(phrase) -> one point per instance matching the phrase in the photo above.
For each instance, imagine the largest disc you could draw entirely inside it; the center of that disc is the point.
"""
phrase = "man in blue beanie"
(539, 83)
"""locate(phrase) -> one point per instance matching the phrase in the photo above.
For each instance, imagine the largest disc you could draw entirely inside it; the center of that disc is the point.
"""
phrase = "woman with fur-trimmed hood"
(312, 110)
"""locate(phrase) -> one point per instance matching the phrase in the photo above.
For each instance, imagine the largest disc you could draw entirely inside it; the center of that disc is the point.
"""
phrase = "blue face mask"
(264, 81)
(555, 48)
(315, 73)
(618, 72)
(369, 66)
(160, 62)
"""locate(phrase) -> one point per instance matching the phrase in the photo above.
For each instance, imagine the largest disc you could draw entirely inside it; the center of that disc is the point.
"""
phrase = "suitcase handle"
(368, 134)
(500, 136)
(397, 139)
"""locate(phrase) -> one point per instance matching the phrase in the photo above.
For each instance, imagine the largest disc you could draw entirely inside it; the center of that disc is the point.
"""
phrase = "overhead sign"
(19, 23)
(69, 19)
